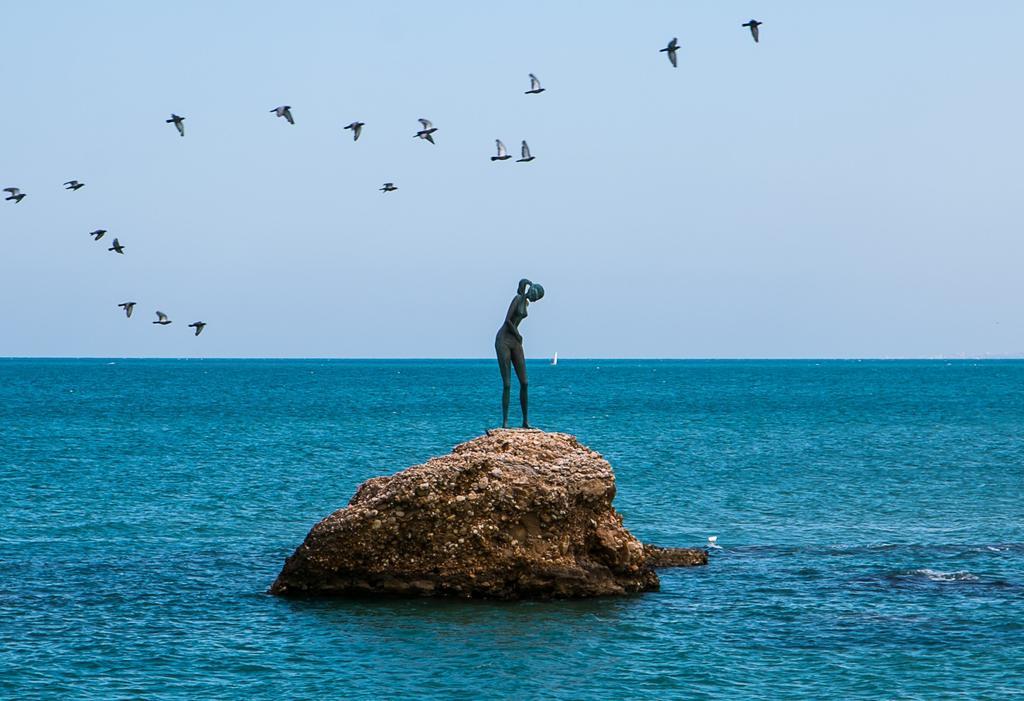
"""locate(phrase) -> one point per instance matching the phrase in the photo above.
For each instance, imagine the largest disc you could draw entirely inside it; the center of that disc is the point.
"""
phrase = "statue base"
(494, 431)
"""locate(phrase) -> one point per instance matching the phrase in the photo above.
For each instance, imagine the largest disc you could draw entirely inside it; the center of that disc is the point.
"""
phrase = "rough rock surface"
(658, 556)
(512, 514)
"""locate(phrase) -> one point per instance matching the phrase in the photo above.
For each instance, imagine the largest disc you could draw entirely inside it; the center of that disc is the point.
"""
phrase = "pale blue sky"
(848, 187)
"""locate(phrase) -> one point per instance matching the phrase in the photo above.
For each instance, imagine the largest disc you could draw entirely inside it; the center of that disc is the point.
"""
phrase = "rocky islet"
(511, 514)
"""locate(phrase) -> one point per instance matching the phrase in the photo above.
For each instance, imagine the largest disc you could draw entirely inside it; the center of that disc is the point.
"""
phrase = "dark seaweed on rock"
(511, 514)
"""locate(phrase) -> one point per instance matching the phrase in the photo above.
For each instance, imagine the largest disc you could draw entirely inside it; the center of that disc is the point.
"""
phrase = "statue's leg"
(504, 362)
(519, 362)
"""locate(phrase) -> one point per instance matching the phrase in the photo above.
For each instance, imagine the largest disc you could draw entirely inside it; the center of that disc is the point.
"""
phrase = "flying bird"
(73, 185)
(526, 154)
(117, 247)
(357, 129)
(502, 153)
(388, 187)
(284, 111)
(535, 88)
(128, 307)
(16, 194)
(198, 326)
(178, 122)
(162, 319)
(98, 234)
(427, 131)
(753, 24)
(672, 47)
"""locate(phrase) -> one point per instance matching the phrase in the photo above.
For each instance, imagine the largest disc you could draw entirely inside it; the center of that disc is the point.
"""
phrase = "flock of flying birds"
(426, 132)
(116, 246)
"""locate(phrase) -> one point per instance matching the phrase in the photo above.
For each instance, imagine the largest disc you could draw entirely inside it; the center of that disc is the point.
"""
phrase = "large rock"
(512, 514)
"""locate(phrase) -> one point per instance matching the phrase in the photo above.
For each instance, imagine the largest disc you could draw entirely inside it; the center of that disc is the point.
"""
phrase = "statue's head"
(523, 284)
(536, 292)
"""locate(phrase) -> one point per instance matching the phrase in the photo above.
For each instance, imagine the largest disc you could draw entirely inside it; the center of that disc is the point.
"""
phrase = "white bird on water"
(713, 542)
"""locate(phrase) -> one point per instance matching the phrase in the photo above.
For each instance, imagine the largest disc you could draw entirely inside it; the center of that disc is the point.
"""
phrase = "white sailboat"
(554, 358)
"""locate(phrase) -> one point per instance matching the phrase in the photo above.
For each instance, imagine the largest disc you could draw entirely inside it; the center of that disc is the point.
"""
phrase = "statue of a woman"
(509, 346)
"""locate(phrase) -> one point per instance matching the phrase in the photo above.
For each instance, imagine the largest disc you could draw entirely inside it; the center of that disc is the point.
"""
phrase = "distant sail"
(554, 358)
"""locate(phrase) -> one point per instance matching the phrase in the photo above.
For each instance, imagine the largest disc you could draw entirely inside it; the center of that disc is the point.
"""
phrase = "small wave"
(919, 550)
(939, 576)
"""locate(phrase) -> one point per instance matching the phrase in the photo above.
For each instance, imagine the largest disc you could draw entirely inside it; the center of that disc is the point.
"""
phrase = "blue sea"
(870, 517)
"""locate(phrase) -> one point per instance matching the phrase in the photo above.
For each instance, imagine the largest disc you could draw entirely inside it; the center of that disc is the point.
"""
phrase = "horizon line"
(1019, 356)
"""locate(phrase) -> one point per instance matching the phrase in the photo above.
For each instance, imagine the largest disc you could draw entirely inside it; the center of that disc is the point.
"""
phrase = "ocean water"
(870, 517)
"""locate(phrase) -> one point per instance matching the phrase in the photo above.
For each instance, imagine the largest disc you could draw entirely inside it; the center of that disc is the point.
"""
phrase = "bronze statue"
(509, 346)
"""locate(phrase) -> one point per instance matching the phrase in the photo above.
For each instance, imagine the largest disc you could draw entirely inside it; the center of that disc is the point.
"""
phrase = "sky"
(848, 187)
